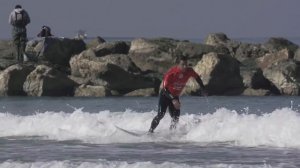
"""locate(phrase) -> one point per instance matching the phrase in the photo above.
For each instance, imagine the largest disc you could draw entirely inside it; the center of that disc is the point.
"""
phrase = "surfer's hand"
(176, 104)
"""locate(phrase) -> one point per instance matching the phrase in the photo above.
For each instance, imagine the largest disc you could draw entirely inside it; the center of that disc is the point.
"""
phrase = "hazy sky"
(159, 18)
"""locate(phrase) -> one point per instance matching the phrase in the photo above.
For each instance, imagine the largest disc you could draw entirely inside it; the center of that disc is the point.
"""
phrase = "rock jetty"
(71, 67)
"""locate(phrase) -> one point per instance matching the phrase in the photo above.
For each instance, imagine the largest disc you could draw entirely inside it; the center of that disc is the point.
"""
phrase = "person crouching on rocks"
(45, 32)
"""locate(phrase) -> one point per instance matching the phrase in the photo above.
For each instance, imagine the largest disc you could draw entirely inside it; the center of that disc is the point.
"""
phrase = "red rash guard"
(175, 79)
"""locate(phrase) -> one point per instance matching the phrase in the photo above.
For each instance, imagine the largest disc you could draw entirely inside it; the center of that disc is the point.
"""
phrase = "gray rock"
(122, 61)
(13, 78)
(220, 74)
(285, 75)
(254, 79)
(276, 44)
(153, 54)
(143, 92)
(245, 53)
(91, 91)
(195, 51)
(271, 58)
(158, 55)
(46, 81)
(54, 50)
(216, 39)
(256, 92)
(87, 65)
(89, 56)
(256, 84)
(116, 47)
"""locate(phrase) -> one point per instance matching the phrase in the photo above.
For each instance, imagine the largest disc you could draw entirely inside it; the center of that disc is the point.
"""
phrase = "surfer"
(173, 83)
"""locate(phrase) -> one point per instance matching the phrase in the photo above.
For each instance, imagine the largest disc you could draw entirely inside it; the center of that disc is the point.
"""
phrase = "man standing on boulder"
(19, 19)
(173, 83)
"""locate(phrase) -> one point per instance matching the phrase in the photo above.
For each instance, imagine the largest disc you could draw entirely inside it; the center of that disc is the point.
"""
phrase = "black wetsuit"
(164, 102)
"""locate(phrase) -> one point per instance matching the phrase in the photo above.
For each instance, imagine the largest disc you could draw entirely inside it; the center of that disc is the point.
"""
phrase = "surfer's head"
(183, 63)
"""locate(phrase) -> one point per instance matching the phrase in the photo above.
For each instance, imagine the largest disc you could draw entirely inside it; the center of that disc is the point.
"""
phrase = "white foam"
(281, 128)
(117, 164)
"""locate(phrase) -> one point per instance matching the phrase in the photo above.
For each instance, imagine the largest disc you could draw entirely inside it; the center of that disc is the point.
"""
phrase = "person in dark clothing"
(45, 32)
(173, 83)
(19, 19)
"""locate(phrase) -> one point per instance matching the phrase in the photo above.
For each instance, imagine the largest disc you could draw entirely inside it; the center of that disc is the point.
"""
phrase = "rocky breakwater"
(69, 67)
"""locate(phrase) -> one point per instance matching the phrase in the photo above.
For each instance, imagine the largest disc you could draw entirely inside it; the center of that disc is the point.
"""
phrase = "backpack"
(20, 20)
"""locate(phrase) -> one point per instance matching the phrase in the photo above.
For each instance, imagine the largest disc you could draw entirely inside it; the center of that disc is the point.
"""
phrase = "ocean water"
(213, 132)
(252, 40)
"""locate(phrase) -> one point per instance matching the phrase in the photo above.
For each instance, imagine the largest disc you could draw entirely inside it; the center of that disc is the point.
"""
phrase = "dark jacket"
(45, 32)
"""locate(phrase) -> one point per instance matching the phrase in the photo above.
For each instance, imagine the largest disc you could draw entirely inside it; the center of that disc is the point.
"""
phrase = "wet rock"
(220, 74)
(285, 75)
(91, 91)
(46, 81)
(116, 47)
(54, 50)
(13, 78)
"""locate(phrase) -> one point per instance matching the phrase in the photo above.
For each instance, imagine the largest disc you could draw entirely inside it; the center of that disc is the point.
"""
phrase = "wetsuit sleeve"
(199, 81)
(197, 78)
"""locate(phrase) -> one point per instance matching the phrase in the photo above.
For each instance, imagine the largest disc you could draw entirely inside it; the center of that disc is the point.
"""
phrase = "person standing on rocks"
(19, 19)
(173, 83)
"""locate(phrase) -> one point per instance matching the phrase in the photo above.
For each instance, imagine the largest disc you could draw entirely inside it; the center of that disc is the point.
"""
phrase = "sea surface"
(213, 132)
(251, 40)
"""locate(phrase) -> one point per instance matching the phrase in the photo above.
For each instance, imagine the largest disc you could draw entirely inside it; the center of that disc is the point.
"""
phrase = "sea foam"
(280, 128)
(117, 164)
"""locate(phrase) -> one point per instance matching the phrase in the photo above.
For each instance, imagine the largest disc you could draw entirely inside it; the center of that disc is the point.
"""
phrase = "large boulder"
(285, 75)
(158, 55)
(110, 72)
(256, 84)
(195, 51)
(115, 47)
(54, 50)
(216, 39)
(245, 53)
(254, 79)
(13, 78)
(47, 81)
(271, 58)
(153, 54)
(121, 60)
(276, 44)
(91, 91)
(220, 74)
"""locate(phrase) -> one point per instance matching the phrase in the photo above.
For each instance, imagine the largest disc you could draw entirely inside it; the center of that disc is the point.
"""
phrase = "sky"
(182, 19)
